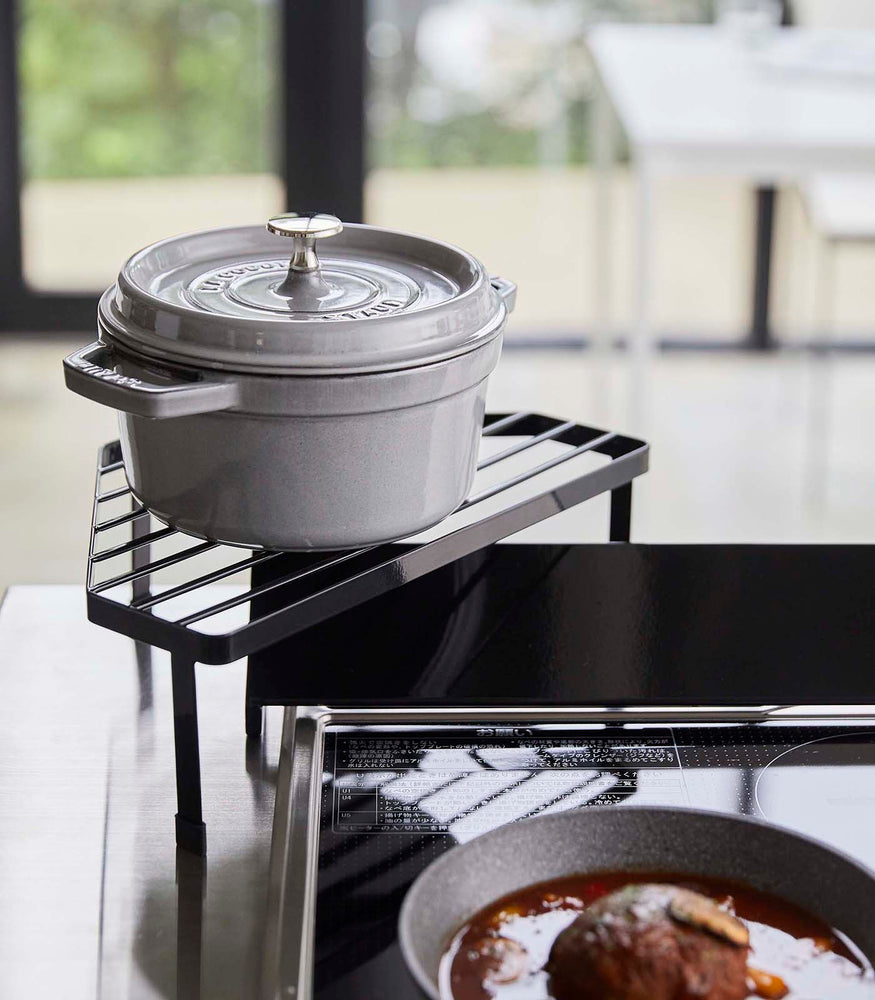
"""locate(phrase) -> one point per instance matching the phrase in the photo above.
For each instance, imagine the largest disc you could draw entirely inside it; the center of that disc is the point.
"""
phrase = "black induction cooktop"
(596, 624)
(528, 678)
(396, 797)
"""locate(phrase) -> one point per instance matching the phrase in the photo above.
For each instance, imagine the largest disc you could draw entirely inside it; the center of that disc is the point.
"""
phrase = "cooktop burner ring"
(820, 787)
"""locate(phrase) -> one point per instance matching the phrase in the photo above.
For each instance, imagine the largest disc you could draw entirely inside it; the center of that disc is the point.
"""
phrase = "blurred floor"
(728, 432)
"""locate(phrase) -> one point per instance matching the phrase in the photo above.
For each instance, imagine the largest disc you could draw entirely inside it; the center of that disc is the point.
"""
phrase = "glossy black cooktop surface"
(598, 624)
(395, 798)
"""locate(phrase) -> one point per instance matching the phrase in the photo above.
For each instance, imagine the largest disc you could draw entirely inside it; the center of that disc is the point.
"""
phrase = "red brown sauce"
(500, 954)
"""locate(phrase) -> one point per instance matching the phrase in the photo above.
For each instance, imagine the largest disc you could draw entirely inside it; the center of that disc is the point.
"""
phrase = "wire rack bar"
(501, 425)
(531, 473)
(323, 585)
(515, 449)
(113, 494)
(131, 546)
(202, 581)
(117, 522)
(266, 588)
(152, 567)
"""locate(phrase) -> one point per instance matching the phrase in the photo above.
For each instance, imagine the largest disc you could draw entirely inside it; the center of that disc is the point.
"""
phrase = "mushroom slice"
(699, 911)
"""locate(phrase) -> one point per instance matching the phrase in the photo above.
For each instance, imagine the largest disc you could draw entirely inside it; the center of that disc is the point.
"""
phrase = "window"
(139, 121)
(135, 121)
(479, 123)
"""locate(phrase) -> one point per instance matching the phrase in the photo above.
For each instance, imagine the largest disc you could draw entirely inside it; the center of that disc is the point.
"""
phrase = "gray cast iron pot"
(252, 413)
(610, 838)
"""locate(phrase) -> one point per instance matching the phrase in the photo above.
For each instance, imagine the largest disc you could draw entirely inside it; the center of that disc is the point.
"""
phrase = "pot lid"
(256, 298)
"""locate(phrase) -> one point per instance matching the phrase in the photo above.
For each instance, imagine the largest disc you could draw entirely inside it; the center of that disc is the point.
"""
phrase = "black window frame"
(321, 145)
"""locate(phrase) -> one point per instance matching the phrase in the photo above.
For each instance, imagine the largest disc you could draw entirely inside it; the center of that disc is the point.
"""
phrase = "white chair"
(841, 209)
(842, 206)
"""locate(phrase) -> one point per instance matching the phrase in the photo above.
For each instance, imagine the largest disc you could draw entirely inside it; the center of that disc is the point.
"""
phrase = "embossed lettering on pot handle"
(91, 373)
(506, 290)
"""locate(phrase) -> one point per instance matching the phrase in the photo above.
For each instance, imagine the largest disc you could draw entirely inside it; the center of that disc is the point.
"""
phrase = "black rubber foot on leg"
(191, 836)
(254, 719)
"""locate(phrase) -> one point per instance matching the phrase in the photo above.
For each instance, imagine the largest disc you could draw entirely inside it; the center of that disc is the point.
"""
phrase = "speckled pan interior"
(801, 870)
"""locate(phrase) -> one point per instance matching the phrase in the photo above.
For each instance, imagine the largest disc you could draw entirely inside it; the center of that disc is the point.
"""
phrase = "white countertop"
(91, 879)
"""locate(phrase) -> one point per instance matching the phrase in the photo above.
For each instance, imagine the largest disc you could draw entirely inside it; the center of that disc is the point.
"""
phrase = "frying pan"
(797, 868)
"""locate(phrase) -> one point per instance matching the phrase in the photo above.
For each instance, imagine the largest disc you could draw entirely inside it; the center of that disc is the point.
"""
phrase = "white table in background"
(694, 99)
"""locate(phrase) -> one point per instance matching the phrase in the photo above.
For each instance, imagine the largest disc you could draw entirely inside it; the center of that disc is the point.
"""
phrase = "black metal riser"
(322, 585)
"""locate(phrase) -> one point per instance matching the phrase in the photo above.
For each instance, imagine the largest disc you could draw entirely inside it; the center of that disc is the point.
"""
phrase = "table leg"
(641, 347)
(604, 136)
(760, 329)
(820, 377)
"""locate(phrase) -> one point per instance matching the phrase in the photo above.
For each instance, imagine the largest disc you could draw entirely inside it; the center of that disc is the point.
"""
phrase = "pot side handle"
(506, 290)
(90, 372)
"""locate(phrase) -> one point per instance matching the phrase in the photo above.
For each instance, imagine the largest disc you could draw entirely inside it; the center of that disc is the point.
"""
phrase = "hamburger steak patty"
(651, 942)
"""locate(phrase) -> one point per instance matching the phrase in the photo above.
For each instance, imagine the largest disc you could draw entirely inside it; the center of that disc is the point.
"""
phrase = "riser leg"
(191, 833)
